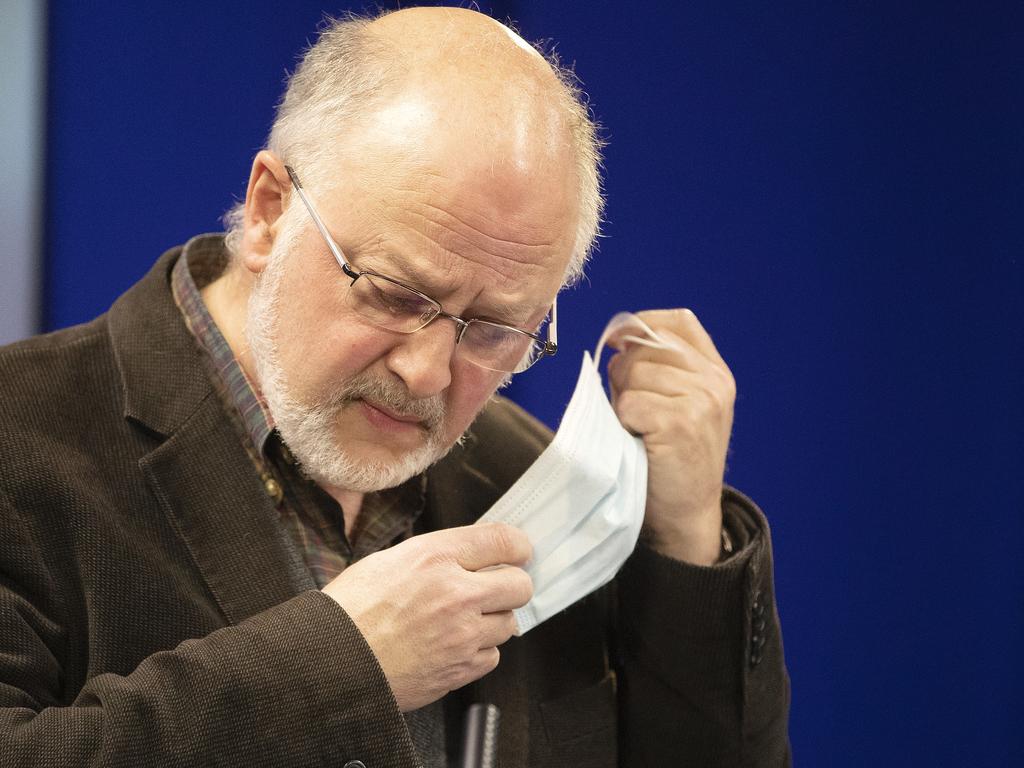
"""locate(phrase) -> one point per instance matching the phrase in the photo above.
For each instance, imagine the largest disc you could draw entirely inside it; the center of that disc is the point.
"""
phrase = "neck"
(226, 299)
(351, 503)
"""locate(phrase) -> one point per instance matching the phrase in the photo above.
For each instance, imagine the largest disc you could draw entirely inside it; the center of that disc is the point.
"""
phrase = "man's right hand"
(430, 613)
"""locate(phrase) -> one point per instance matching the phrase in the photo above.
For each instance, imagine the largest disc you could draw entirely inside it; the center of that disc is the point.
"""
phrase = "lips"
(386, 421)
(404, 418)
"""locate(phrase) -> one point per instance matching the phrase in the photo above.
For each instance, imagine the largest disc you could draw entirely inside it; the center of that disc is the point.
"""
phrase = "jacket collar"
(162, 376)
(199, 471)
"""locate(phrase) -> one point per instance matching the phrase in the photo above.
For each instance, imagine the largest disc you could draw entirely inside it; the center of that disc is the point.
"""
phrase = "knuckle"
(711, 404)
(505, 538)
(730, 385)
(500, 630)
(434, 558)
(638, 373)
(510, 543)
(501, 538)
(632, 367)
(725, 378)
(526, 586)
(615, 366)
(464, 634)
(455, 677)
(447, 613)
(431, 549)
(461, 595)
(626, 401)
(510, 626)
(490, 660)
(658, 317)
(724, 398)
(682, 424)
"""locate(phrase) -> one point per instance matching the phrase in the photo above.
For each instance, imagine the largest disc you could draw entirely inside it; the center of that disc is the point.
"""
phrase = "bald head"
(465, 73)
(469, 107)
(451, 93)
(435, 29)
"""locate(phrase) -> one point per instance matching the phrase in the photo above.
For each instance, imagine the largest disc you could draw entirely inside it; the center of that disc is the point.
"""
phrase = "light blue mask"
(581, 503)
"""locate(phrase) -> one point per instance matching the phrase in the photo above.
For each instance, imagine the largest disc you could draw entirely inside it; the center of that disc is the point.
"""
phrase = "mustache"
(429, 410)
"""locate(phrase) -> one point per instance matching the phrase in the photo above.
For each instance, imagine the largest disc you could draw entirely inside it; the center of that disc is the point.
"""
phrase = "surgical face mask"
(581, 503)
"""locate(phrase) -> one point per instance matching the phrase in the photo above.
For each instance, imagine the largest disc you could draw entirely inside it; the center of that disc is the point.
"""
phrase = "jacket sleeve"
(294, 685)
(702, 679)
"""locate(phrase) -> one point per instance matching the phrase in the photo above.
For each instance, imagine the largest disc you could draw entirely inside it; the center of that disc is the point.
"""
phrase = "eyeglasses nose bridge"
(460, 324)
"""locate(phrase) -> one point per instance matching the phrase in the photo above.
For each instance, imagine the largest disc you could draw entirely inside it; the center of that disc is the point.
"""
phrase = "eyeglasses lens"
(389, 304)
(393, 306)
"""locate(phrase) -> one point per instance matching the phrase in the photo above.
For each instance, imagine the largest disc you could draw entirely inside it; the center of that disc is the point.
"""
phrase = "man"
(230, 534)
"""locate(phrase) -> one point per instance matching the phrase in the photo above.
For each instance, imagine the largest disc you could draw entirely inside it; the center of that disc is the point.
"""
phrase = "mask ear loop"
(628, 318)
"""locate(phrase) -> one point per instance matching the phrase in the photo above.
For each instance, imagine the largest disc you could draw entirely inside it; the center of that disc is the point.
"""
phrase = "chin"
(363, 471)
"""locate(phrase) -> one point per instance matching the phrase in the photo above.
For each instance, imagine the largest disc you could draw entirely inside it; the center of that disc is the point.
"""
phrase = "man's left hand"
(680, 401)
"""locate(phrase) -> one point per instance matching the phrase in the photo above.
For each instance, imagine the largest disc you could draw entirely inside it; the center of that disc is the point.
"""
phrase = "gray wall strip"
(22, 137)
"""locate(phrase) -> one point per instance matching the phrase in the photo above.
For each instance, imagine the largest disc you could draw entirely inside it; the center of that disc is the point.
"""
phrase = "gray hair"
(345, 74)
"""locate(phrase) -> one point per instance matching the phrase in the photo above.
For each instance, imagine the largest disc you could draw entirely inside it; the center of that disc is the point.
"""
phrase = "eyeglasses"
(394, 306)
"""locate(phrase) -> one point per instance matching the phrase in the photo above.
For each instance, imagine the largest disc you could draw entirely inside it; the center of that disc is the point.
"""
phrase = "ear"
(265, 199)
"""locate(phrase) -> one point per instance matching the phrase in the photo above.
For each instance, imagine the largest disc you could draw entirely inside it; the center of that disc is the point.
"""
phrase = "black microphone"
(480, 736)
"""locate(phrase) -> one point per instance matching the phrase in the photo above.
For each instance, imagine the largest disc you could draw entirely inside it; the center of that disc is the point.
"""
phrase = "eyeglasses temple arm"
(553, 327)
(335, 249)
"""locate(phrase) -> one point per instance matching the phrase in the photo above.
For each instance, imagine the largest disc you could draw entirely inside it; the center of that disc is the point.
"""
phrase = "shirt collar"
(202, 261)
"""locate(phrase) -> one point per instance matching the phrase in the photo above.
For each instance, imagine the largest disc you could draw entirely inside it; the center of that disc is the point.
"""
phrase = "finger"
(503, 589)
(485, 661)
(479, 546)
(496, 628)
(622, 369)
(665, 372)
(648, 376)
(642, 413)
(473, 668)
(681, 354)
(671, 418)
(684, 324)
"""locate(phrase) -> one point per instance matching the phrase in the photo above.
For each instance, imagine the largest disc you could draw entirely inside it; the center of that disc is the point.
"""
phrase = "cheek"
(469, 392)
(343, 349)
(321, 344)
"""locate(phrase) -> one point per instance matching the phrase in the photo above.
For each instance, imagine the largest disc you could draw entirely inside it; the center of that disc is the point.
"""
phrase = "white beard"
(309, 429)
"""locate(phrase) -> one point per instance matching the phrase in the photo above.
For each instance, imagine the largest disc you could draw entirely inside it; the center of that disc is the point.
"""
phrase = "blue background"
(835, 190)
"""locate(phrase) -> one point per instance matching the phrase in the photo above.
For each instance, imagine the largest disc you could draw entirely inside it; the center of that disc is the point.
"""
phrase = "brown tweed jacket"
(152, 611)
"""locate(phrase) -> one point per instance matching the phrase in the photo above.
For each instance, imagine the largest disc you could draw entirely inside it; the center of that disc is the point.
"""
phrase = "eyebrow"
(412, 276)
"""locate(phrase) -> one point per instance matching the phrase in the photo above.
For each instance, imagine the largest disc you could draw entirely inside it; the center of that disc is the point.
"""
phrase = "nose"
(423, 360)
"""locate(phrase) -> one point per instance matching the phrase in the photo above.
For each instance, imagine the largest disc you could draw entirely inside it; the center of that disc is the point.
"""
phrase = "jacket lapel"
(205, 483)
(199, 473)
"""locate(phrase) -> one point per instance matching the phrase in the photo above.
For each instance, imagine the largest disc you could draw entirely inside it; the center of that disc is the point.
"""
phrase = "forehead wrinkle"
(505, 258)
(461, 244)
(461, 221)
(517, 205)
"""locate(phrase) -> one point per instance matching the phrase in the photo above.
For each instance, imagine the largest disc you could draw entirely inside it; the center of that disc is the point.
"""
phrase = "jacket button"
(355, 764)
(273, 489)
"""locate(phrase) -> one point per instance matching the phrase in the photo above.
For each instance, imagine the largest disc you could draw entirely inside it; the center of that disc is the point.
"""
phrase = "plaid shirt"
(312, 517)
